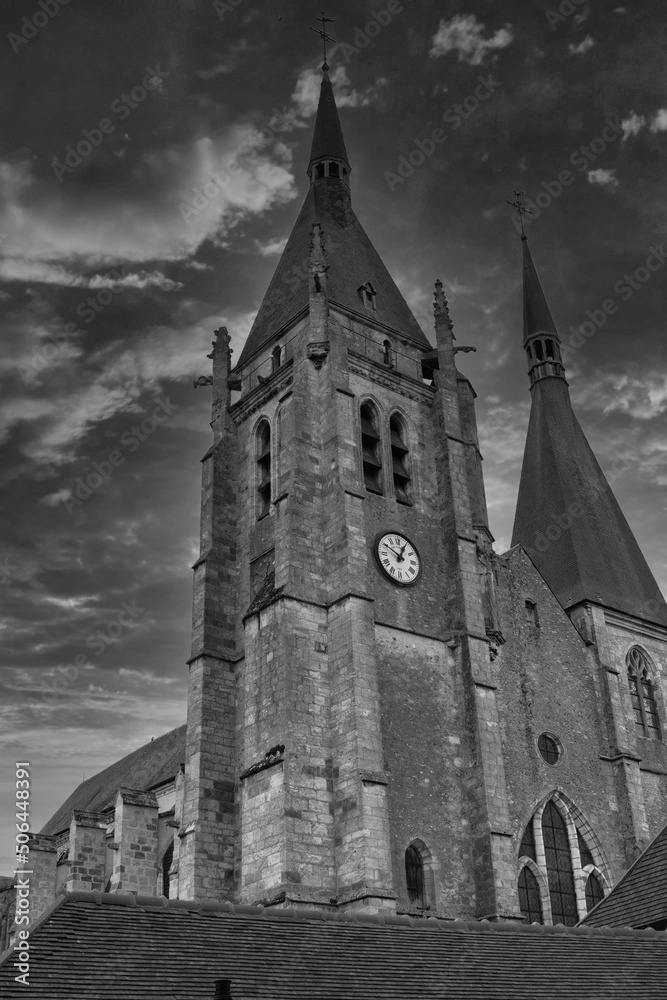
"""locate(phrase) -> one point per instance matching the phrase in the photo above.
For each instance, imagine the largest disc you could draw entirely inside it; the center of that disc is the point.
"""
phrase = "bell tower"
(343, 725)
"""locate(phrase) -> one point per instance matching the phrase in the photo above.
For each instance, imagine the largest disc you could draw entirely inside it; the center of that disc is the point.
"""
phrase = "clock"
(397, 557)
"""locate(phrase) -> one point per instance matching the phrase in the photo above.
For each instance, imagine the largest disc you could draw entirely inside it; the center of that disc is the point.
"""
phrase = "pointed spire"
(328, 156)
(537, 316)
(567, 517)
(540, 336)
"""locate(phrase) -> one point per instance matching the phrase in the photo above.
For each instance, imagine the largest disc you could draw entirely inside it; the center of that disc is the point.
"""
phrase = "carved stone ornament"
(317, 352)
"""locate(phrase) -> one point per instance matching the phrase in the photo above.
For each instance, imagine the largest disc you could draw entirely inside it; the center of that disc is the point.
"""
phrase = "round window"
(550, 747)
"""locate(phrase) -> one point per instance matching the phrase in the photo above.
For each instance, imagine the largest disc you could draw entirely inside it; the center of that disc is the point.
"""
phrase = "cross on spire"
(521, 209)
(324, 35)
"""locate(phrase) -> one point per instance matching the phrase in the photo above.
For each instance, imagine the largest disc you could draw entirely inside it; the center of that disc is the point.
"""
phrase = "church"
(411, 765)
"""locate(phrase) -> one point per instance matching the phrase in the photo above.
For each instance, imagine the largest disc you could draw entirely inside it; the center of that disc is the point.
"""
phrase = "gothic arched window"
(414, 876)
(399, 458)
(594, 891)
(561, 881)
(167, 860)
(264, 467)
(275, 358)
(642, 694)
(371, 448)
(530, 900)
(559, 867)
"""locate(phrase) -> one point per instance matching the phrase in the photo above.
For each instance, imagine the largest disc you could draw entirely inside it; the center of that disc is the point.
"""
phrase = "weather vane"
(322, 32)
(521, 209)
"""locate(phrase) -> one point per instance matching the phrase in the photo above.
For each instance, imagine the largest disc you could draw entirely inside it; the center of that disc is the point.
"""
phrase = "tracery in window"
(530, 900)
(642, 694)
(559, 867)
(594, 891)
(559, 884)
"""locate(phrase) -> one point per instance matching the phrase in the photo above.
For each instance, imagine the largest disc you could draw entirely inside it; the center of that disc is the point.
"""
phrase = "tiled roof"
(640, 898)
(146, 767)
(101, 947)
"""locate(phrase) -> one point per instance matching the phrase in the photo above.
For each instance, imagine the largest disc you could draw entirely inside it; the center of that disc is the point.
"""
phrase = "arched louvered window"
(414, 876)
(559, 867)
(371, 448)
(264, 467)
(166, 865)
(642, 694)
(530, 901)
(594, 891)
(400, 458)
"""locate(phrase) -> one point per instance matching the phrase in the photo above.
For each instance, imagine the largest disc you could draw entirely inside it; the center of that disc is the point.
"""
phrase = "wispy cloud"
(464, 34)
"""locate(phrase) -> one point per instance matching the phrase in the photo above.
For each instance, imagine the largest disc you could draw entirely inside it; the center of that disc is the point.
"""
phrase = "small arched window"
(275, 358)
(166, 865)
(530, 901)
(319, 170)
(264, 467)
(400, 463)
(334, 169)
(414, 876)
(642, 694)
(371, 448)
(594, 891)
(550, 349)
(539, 351)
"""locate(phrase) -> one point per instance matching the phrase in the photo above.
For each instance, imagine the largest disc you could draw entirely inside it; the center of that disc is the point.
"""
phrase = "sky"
(125, 242)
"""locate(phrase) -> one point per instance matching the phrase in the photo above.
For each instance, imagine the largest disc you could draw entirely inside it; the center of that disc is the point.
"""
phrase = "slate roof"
(567, 517)
(640, 898)
(327, 135)
(352, 258)
(100, 947)
(146, 767)
(537, 316)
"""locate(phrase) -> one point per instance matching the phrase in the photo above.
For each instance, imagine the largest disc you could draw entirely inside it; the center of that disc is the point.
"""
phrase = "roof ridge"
(346, 917)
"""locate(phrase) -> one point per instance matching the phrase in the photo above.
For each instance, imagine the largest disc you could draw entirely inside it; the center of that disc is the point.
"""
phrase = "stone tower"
(337, 680)
(382, 711)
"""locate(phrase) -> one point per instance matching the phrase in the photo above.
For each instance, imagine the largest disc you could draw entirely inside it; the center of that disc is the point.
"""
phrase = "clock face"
(398, 558)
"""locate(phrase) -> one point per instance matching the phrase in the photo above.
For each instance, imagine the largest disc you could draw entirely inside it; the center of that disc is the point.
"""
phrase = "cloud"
(56, 233)
(116, 381)
(582, 47)
(632, 125)
(641, 394)
(463, 34)
(306, 94)
(271, 247)
(605, 178)
(659, 123)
